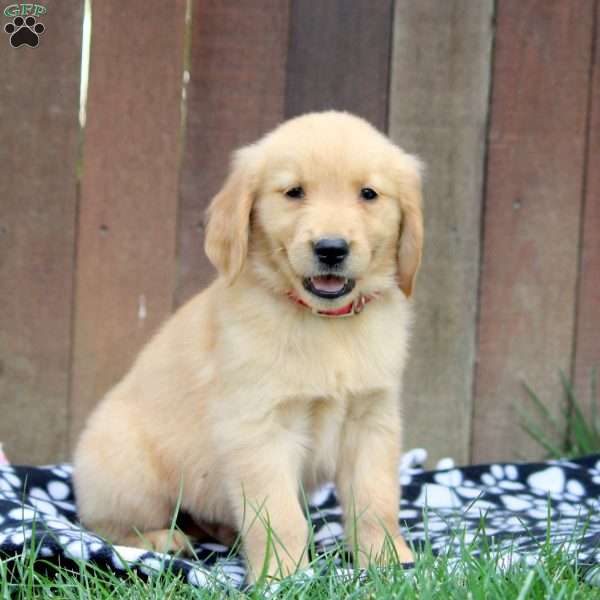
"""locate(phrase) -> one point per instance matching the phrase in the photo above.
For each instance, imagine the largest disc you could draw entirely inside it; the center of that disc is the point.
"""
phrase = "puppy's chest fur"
(317, 426)
(332, 374)
(317, 357)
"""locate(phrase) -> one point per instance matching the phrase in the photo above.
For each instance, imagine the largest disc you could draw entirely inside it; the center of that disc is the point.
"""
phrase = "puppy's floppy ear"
(228, 228)
(410, 245)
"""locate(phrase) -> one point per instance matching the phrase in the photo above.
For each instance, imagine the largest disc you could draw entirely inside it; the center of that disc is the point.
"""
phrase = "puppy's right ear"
(228, 228)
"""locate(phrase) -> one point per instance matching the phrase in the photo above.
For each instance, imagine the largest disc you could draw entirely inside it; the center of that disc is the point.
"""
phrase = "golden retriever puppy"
(285, 372)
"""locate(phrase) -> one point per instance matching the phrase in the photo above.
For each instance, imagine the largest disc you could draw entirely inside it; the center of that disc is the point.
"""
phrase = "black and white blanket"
(512, 506)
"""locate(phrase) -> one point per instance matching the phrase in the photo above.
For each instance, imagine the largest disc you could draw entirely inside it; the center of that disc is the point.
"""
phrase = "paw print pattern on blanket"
(515, 500)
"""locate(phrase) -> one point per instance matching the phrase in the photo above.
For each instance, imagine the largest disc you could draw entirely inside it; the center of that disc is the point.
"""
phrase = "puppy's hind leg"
(140, 526)
(124, 500)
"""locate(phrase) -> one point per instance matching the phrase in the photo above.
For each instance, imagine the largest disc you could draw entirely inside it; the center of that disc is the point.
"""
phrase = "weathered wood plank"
(39, 103)
(587, 350)
(339, 57)
(235, 94)
(127, 228)
(438, 109)
(534, 189)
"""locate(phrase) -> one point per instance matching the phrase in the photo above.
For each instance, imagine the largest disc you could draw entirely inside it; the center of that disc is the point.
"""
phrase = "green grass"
(447, 577)
(574, 432)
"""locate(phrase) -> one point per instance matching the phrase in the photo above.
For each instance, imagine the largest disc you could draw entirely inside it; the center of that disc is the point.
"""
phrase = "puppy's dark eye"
(296, 193)
(368, 193)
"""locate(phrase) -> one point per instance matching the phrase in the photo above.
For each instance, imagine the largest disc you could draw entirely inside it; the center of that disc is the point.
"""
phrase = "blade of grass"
(581, 434)
(543, 409)
(554, 451)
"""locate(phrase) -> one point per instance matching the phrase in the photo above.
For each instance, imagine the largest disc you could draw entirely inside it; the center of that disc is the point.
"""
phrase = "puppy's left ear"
(410, 245)
(228, 228)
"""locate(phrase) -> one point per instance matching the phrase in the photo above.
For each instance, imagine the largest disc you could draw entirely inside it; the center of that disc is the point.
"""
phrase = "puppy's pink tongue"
(328, 283)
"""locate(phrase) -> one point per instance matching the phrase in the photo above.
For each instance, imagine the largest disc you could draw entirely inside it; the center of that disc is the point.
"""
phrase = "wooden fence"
(101, 227)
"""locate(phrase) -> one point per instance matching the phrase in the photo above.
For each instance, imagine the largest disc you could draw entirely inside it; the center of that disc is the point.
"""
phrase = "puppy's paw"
(161, 540)
(278, 567)
(385, 551)
(404, 553)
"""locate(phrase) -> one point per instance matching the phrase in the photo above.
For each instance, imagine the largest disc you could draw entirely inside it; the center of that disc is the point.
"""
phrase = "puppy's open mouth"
(328, 286)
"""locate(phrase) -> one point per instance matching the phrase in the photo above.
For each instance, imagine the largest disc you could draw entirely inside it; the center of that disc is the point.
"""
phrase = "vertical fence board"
(39, 104)
(438, 110)
(535, 166)
(339, 57)
(587, 350)
(126, 247)
(235, 94)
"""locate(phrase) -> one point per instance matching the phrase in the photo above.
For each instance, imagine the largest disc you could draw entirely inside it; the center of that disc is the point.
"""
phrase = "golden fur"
(245, 397)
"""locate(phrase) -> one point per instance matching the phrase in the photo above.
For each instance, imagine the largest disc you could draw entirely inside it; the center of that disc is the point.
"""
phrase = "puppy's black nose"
(331, 251)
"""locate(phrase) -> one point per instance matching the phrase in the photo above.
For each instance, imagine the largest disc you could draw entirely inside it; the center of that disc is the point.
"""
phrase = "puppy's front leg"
(367, 478)
(263, 491)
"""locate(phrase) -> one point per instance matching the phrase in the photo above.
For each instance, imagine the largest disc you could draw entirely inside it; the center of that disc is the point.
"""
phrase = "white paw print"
(77, 549)
(47, 503)
(15, 535)
(8, 481)
(452, 478)
(65, 471)
(534, 507)
(40, 500)
(595, 472)
(502, 478)
(411, 463)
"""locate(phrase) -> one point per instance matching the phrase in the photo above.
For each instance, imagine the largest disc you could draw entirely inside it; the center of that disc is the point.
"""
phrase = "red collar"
(354, 308)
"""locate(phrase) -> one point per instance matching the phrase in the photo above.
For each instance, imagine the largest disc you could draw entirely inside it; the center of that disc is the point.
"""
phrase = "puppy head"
(325, 207)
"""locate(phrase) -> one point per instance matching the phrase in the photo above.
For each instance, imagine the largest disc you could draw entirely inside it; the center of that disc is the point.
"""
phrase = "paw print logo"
(24, 31)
